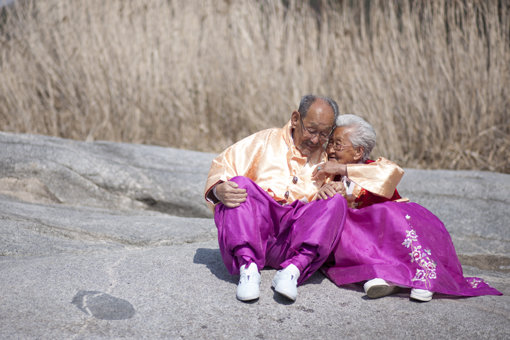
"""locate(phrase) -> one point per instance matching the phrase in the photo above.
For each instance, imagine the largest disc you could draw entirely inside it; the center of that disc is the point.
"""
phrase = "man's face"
(311, 132)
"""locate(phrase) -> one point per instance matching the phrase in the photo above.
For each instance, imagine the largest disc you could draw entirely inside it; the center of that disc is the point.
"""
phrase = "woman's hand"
(329, 168)
(330, 189)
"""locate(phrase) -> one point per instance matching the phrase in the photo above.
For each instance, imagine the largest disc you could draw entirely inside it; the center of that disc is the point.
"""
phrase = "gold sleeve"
(380, 177)
(239, 159)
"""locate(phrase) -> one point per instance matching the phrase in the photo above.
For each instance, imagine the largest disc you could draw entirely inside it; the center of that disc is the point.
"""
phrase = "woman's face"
(340, 148)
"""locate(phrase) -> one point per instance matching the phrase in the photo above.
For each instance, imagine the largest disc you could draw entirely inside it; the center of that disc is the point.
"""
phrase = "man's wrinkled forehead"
(320, 114)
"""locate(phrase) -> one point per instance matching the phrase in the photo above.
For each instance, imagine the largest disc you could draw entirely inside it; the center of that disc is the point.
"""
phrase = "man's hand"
(330, 189)
(230, 195)
(329, 168)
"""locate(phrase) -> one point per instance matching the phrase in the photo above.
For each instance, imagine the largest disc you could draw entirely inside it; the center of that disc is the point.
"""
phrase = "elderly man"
(260, 187)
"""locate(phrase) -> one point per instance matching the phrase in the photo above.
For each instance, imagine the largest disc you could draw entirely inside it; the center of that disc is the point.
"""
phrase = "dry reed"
(433, 77)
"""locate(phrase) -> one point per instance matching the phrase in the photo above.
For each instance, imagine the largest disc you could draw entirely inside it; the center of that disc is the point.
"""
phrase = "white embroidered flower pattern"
(416, 255)
(474, 282)
(407, 242)
(420, 275)
(410, 238)
(421, 257)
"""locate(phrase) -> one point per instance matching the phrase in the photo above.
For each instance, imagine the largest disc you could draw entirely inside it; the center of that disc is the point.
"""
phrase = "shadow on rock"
(103, 306)
(212, 259)
(315, 279)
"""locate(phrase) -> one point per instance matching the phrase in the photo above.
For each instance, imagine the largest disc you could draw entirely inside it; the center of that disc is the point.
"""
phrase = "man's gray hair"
(309, 99)
(361, 133)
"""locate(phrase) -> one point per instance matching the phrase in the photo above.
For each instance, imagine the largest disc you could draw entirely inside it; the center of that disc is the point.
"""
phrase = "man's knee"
(339, 199)
(337, 203)
(335, 200)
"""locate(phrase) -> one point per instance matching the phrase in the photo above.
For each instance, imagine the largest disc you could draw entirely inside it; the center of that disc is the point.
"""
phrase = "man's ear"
(358, 153)
(294, 119)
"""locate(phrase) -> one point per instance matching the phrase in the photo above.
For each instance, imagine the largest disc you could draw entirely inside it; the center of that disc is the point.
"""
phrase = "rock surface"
(111, 240)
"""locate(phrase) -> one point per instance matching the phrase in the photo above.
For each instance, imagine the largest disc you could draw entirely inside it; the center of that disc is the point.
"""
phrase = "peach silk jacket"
(270, 159)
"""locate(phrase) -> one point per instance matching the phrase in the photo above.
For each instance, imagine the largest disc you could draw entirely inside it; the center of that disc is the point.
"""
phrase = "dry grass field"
(433, 77)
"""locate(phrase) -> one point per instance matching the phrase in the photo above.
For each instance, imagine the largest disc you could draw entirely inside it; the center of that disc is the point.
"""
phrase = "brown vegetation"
(433, 77)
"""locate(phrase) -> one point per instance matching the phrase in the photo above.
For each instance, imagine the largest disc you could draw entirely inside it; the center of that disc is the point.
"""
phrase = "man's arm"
(236, 160)
(229, 194)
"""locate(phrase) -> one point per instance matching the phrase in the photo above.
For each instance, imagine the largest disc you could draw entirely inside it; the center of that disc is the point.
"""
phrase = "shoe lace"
(286, 275)
(245, 276)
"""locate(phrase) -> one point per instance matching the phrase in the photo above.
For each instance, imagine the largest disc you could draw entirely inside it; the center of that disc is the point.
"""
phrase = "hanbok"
(404, 244)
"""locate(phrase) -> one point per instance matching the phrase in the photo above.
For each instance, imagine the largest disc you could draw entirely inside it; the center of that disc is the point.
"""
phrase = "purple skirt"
(402, 243)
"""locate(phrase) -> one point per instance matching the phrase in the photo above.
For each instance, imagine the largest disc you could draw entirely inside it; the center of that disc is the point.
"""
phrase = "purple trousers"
(263, 231)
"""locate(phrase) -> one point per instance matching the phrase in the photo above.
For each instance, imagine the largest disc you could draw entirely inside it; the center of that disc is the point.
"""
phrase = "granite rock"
(111, 240)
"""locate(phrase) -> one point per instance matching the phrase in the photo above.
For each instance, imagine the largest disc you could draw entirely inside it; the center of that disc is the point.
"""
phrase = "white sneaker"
(421, 294)
(249, 283)
(377, 288)
(285, 282)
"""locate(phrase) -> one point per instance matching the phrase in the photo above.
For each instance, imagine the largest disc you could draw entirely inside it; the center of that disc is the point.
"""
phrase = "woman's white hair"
(361, 133)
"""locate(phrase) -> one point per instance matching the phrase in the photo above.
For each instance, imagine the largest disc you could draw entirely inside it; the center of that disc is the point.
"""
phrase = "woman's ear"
(358, 153)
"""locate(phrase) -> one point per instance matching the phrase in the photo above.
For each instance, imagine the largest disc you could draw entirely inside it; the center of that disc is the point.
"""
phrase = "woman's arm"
(380, 177)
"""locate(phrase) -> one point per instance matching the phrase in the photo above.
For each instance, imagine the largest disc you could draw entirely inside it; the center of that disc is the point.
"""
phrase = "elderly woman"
(386, 240)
